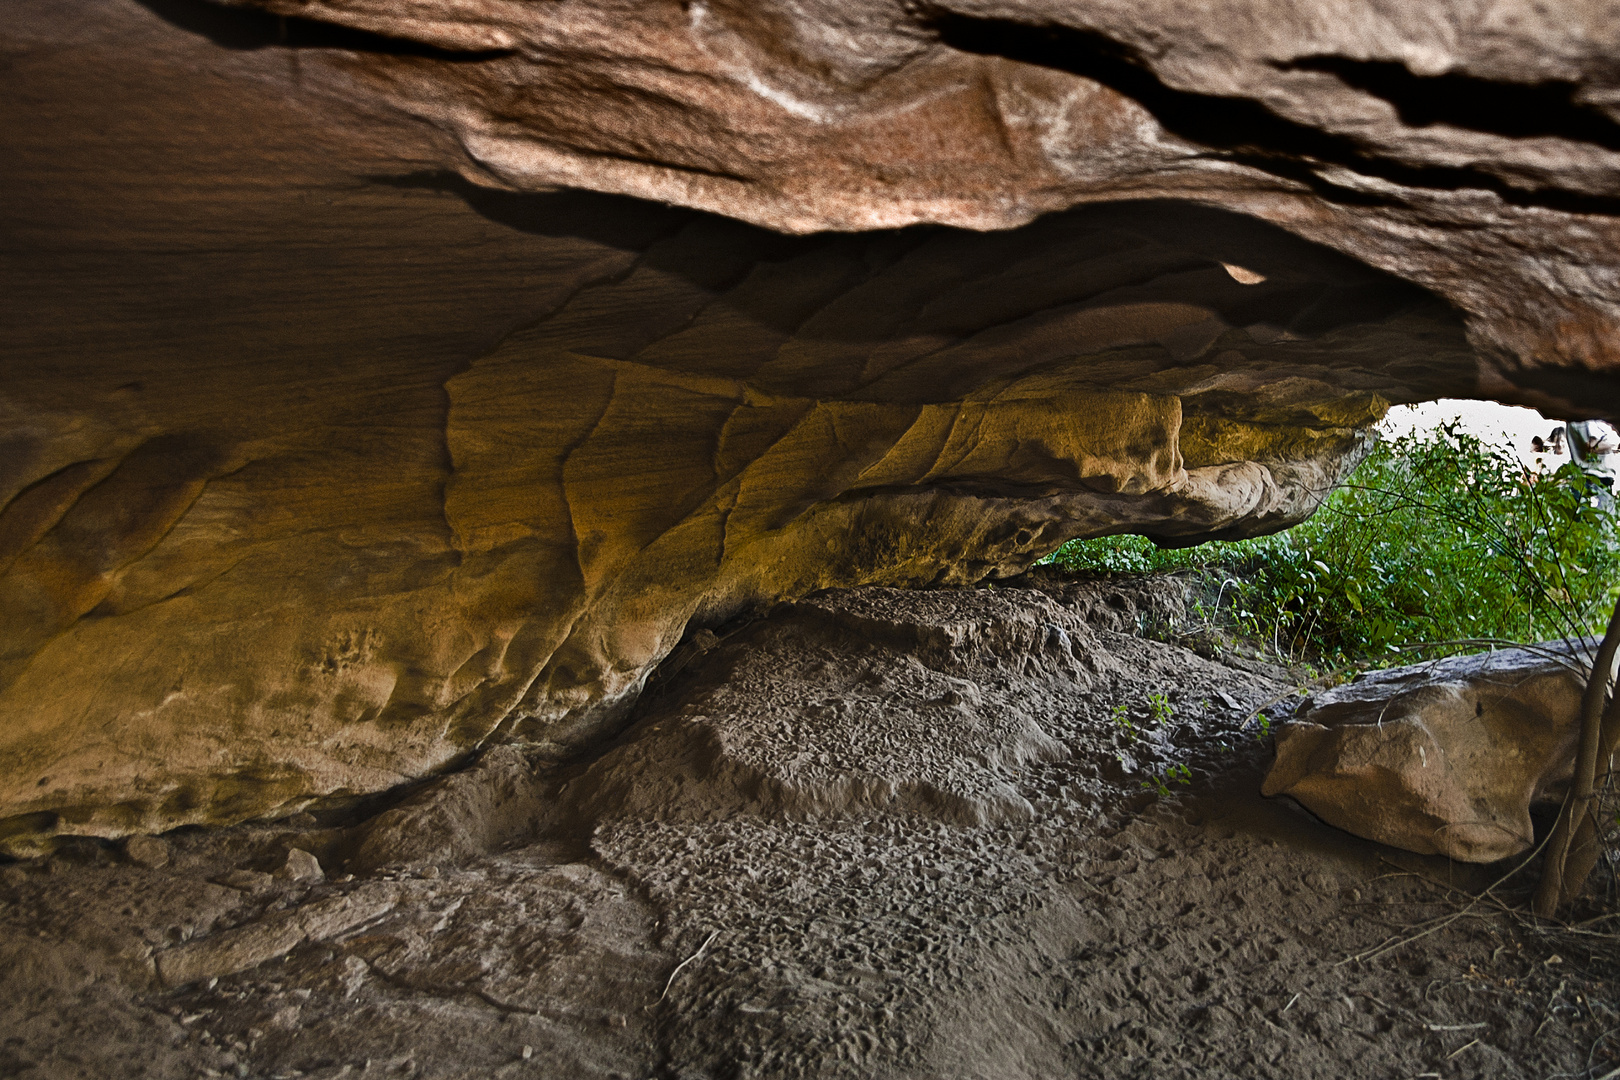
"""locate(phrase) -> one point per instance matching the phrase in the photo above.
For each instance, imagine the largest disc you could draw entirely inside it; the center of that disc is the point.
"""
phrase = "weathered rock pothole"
(993, 886)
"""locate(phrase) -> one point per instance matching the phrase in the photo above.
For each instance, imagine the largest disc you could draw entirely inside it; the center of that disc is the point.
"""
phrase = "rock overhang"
(329, 465)
(1475, 153)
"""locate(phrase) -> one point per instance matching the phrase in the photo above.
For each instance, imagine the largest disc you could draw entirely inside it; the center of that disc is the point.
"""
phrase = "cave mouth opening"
(680, 407)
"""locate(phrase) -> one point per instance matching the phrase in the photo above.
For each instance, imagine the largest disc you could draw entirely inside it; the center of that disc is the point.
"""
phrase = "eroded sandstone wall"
(323, 466)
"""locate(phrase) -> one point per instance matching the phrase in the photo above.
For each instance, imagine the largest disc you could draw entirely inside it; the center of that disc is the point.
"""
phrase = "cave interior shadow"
(1319, 288)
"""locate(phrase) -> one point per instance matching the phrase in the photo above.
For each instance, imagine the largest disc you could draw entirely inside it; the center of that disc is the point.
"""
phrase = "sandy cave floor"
(873, 834)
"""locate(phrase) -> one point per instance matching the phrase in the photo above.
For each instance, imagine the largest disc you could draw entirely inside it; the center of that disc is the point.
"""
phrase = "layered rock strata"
(1473, 149)
(324, 466)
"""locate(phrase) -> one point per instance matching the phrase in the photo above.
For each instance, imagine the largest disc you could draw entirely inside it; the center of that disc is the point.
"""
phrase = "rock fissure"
(1515, 110)
(1248, 133)
(246, 28)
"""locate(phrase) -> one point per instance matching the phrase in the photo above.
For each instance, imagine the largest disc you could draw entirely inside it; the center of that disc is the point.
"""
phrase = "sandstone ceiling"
(338, 440)
(1472, 148)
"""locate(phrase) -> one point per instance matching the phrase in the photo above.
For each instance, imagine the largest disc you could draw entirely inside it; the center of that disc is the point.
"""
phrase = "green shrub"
(1436, 538)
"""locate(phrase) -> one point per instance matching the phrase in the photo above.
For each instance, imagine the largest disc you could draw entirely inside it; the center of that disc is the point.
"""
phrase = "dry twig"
(706, 941)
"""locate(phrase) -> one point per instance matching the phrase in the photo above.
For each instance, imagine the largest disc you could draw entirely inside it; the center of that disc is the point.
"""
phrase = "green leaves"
(1176, 772)
(1436, 537)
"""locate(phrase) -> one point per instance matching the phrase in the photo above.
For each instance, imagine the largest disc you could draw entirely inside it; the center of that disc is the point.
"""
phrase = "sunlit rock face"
(323, 465)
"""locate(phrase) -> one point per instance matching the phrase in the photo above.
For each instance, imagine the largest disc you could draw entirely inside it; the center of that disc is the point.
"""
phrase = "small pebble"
(247, 880)
(148, 851)
(301, 866)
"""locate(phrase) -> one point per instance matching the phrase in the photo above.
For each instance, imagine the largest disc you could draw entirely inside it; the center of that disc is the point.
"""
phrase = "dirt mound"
(856, 700)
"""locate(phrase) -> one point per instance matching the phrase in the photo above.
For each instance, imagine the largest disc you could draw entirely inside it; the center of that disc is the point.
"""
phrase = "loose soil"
(961, 833)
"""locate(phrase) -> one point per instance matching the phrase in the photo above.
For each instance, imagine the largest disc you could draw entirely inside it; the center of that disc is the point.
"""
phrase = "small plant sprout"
(1175, 773)
(1121, 716)
(1262, 725)
(1160, 708)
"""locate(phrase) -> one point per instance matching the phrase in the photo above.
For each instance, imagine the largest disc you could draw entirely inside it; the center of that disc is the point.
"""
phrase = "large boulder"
(1443, 758)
